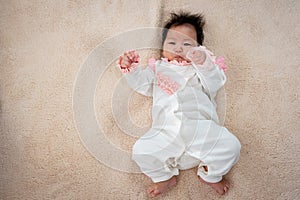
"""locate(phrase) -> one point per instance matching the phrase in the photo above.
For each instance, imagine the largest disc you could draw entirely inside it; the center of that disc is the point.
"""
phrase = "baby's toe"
(226, 189)
(155, 193)
(150, 190)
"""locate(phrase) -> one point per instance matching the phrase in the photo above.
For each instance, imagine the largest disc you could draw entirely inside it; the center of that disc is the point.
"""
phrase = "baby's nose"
(178, 49)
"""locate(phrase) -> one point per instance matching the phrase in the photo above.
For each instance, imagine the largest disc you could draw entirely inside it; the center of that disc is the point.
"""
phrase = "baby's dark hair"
(196, 20)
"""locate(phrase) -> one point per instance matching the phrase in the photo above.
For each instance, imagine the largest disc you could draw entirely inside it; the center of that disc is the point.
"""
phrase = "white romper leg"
(157, 153)
(214, 146)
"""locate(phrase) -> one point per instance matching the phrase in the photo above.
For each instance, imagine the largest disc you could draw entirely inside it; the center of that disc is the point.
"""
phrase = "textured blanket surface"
(68, 119)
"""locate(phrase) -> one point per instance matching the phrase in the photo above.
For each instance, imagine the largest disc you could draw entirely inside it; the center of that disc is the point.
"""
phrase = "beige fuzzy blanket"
(67, 128)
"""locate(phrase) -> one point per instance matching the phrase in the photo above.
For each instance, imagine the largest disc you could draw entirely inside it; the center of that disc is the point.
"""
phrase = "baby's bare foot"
(221, 187)
(160, 187)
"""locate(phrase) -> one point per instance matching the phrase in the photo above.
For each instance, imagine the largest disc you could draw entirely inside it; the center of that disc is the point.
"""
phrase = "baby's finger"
(199, 53)
(197, 60)
(126, 57)
(125, 63)
(134, 56)
(191, 53)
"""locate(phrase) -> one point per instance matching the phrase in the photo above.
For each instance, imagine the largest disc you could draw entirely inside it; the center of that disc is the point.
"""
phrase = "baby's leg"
(219, 161)
(218, 151)
(221, 158)
(156, 154)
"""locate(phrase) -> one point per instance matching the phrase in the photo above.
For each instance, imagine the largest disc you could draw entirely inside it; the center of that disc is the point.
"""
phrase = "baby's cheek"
(164, 53)
(167, 54)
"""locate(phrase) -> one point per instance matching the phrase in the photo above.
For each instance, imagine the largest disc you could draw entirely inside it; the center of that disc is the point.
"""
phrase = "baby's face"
(179, 40)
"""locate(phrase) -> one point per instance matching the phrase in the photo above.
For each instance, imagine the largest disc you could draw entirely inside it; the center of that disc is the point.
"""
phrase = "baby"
(185, 131)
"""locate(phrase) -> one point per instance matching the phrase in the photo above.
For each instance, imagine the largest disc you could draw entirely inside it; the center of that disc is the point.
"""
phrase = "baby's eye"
(172, 43)
(187, 44)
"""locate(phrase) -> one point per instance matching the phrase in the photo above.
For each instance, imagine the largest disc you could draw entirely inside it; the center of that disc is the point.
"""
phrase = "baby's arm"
(141, 80)
(209, 70)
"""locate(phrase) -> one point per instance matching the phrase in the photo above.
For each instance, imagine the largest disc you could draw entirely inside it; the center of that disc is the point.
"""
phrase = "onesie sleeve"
(139, 79)
(211, 74)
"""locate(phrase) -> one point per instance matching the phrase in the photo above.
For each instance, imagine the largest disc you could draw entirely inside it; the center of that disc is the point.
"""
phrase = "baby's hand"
(196, 56)
(127, 59)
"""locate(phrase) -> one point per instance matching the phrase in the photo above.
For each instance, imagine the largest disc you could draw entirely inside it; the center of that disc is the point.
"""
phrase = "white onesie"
(185, 130)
